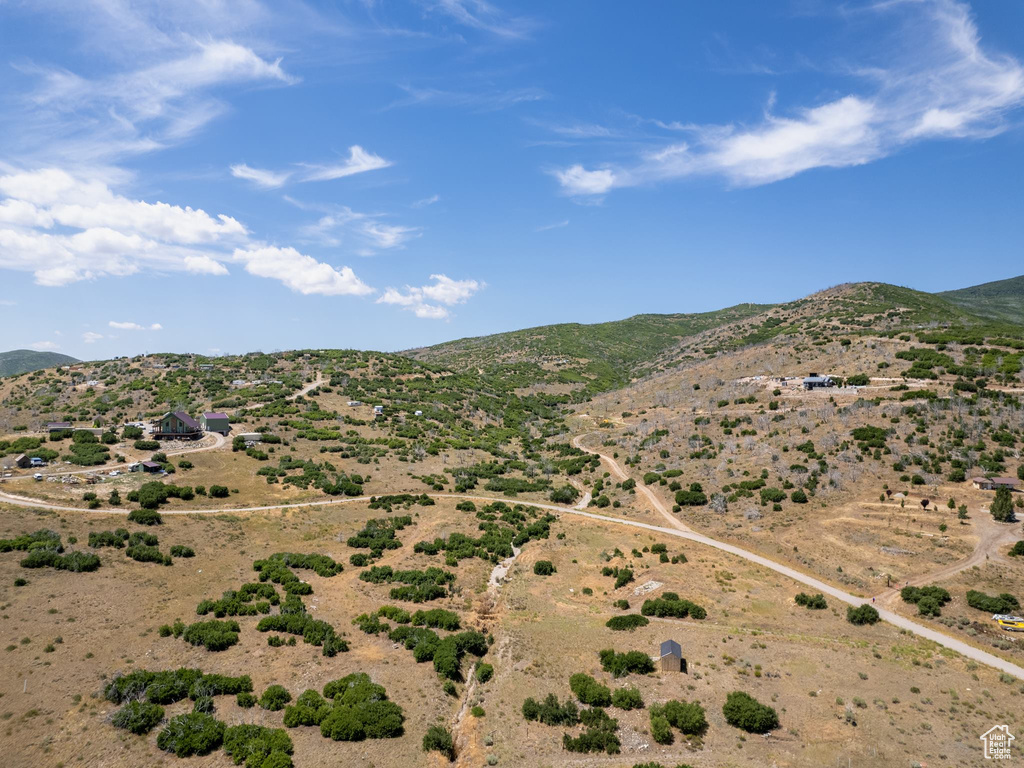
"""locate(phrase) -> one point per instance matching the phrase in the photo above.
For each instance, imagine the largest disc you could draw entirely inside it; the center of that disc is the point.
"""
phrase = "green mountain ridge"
(26, 360)
(998, 300)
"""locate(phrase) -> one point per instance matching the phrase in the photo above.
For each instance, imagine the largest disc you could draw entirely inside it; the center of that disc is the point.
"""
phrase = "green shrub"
(627, 698)
(214, 635)
(1017, 549)
(219, 491)
(745, 712)
(274, 698)
(669, 605)
(483, 672)
(138, 717)
(439, 739)
(194, 733)
(627, 623)
(589, 691)
(246, 700)
(661, 731)
(254, 745)
(687, 716)
(620, 664)
(180, 550)
(1002, 603)
(813, 602)
(543, 568)
(145, 517)
(116, 538)
(550, 712)
(864, 614)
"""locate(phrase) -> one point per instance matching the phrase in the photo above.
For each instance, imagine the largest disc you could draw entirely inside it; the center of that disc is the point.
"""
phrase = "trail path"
(679, 530)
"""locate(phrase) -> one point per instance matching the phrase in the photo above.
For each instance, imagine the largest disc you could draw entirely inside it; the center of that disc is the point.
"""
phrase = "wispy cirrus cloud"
(260, 177)
(94, 120)
(483, 16)
(478, 99)
(432, 301)
(358, 161)
(945, 85)
(127, 325)
(556, 225)
(91, 337)
(426, 201)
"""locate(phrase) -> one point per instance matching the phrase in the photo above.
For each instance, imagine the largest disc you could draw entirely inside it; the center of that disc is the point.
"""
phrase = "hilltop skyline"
(269, 176)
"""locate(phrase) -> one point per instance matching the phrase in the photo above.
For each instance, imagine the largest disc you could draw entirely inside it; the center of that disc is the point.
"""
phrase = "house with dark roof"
(58, 426)
(995, 483)
(177, 425)
(814, 381)
(215, 422)
(672, 657)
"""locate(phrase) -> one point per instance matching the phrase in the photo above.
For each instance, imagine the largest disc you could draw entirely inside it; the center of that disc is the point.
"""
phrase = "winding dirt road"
(678, 530)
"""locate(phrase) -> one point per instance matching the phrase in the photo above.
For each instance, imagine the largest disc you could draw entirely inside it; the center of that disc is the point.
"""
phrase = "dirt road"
(994, 541)
(308, 388)
(983, 657)
(620, 474)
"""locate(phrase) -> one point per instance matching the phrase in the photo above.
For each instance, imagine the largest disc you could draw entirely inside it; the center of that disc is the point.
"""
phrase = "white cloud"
(388, 235)
(359, 161)
(943, 84)
(44, 346)
(91, 337)
(426, 201)
(300, 272)
(64, 228)
(130, 326)
(444, 291)
(576, 180)
(203, 265)
(128, 112)
(364, 232)
(260, 177)
(556, 225)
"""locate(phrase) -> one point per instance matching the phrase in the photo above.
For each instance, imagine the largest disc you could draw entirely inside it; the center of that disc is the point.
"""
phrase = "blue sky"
(233, 175)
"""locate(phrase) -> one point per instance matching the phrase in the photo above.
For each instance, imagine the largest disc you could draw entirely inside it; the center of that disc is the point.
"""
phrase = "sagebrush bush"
(744, 711)
(138, 717)
(194, 733)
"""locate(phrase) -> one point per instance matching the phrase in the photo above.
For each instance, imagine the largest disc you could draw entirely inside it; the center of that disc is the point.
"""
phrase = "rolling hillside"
(998, 300)
(24, 360)
(600, 356)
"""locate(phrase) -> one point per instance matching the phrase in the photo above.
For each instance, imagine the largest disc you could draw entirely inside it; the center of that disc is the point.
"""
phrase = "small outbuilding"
(215, 422)
(22, 461)
(378, 410)
(995, 483)
(251, 437)
(672, 657)
(150, 467)
(58, 426)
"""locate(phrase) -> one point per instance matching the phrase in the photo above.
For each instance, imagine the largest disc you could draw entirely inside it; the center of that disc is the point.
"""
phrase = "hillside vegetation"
(24, 360)
(998, 300)
(595, 357)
